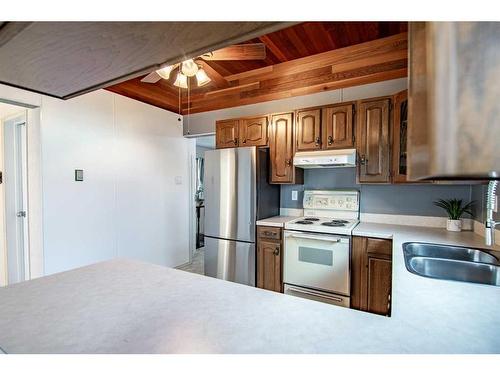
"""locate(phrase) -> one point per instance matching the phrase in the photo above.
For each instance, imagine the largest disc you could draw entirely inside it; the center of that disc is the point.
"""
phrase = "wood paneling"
(373, 141)
(338, 127)
(302, 59)
(253, 131)
(308, 130)
(226, 133)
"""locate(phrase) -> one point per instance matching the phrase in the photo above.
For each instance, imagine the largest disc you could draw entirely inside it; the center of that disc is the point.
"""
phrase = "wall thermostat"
(78, 174)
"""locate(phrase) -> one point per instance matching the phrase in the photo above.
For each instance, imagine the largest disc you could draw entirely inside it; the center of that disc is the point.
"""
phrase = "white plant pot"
(454, 225)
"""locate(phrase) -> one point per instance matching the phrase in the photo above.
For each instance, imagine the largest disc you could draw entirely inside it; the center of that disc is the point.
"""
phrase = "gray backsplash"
(380, 199)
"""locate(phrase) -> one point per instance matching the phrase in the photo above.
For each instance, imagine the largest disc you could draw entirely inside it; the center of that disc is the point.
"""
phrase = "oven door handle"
(309, 293)
(309, 237)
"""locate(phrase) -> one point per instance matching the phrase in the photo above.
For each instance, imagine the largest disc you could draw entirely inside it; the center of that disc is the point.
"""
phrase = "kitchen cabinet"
(281, 151)
(373, 140)
(226, 133)
(243, 132)
(253, 131)
(337, 127)
(308, 130)
(453, 127)
(400, 137)
(269, 258)
(371, 276)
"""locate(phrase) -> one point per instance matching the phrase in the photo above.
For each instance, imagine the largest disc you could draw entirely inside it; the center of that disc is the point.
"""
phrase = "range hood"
(325, 159)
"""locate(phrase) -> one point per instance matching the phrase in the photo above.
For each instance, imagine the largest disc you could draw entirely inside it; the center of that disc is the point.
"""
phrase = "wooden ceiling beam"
(337, 56)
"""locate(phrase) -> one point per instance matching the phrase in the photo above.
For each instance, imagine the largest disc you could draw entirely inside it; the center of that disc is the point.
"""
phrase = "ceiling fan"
(197, 67)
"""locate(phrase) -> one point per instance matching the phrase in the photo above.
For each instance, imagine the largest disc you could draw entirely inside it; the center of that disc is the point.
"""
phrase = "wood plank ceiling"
(305, 58)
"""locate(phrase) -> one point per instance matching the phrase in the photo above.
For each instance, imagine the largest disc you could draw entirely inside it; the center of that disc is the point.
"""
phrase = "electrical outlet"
(294, 195)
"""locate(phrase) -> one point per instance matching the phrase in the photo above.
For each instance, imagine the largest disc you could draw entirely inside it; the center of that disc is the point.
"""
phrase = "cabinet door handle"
(244, 140)
(288, 162)
(318, 141)
(330, 140)
(235, 141)
(276, 251)
(363, 160)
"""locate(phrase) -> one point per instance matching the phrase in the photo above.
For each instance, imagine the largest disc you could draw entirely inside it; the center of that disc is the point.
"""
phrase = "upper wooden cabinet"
(373, 139)
(226, 133)
(337, 127)
(371, 277)
(308, 130)
(281, 150)
(253, 131)
(400, 137)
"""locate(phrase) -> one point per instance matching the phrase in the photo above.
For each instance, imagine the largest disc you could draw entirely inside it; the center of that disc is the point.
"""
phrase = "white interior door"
(16, 198)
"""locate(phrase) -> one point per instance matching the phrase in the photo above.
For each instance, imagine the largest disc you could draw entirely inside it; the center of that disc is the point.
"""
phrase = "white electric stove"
(318, 247)
(328, 211)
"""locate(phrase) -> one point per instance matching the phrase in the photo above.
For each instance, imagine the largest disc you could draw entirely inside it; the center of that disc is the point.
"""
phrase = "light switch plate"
(78, 174)
(294, 195)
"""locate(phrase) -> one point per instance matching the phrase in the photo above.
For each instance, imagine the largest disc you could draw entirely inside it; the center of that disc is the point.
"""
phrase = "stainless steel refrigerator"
(237, 194)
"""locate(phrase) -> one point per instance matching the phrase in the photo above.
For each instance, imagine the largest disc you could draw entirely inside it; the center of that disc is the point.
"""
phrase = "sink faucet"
(491, 206)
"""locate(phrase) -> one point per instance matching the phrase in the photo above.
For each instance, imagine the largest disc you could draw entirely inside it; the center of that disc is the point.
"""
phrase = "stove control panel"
(343, 200)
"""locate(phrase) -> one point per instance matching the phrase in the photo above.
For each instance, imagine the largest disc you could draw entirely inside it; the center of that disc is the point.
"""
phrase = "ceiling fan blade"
(214, 75)
(253, 51)
(152, 77)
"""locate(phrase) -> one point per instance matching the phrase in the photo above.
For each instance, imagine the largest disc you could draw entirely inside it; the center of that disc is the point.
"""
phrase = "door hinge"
(21, 214)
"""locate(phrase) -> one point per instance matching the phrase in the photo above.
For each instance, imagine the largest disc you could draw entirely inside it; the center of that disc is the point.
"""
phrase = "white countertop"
(124, 306)
(276, 221)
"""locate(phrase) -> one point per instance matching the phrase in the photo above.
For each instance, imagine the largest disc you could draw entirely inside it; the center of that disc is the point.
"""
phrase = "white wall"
(129, 204)
(204, 123)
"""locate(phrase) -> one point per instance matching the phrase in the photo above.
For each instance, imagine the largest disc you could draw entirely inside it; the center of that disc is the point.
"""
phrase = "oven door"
(318, 261)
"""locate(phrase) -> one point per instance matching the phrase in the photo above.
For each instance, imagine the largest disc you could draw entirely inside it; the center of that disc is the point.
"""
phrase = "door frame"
(192, 193)
(34, 195)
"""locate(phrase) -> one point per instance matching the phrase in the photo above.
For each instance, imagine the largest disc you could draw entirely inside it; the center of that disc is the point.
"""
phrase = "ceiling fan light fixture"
(189, 68)
(165, 72)
(181, 81)
(201, 77)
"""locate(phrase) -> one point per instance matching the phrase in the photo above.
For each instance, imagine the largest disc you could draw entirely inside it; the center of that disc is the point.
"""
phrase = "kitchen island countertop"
(124, 306)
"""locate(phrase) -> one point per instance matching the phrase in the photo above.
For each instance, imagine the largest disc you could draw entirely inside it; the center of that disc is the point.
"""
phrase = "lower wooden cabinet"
(269, 258)
(371, 275)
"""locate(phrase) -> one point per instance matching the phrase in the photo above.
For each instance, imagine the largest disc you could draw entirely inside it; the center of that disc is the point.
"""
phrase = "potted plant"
(455, 209)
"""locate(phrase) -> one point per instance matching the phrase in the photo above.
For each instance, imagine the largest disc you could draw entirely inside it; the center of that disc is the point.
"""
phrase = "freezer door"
(230, 260)
(230, 194)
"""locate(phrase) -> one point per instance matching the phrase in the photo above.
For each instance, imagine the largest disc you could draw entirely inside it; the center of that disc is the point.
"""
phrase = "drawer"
(270, 233)
(378, 246)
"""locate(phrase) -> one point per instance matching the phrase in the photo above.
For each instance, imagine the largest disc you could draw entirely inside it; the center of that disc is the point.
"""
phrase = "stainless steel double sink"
(451, 263)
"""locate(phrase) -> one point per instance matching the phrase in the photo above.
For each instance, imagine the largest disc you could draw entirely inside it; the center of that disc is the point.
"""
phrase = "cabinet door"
(400, 137)
(337, 127)
(281, 148)
(226, 133)
(371, 275)
(379, 285)
(253, 131)
(308, 130)
(373, 141)
(269, 265)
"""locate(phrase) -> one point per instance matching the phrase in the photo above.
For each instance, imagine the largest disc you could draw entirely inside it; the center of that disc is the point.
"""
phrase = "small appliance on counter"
(237, 194)
(317, 247)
